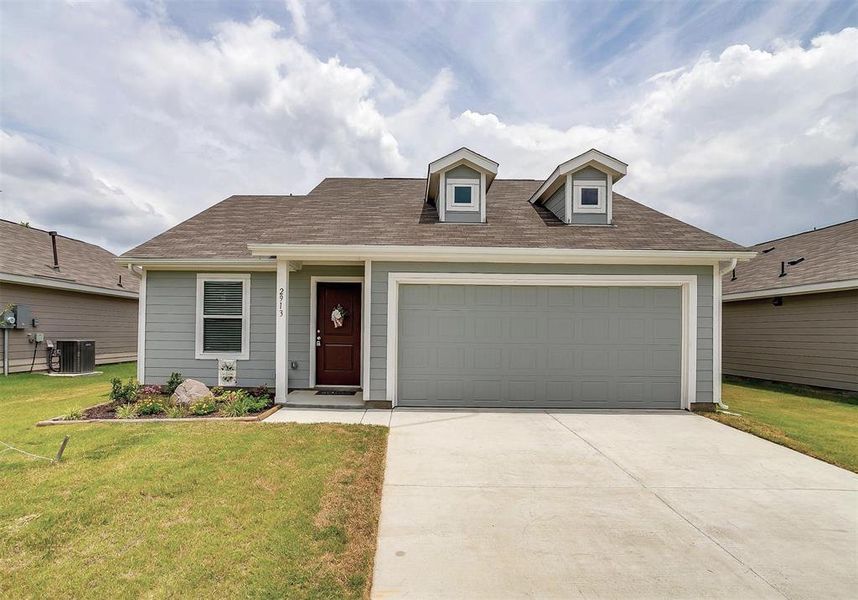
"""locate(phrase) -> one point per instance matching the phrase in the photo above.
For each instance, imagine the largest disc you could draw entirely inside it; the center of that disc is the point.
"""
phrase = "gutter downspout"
(5, 351)
(721, 272)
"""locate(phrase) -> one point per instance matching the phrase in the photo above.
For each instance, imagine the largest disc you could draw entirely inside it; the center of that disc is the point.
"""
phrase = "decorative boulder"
(189, 391)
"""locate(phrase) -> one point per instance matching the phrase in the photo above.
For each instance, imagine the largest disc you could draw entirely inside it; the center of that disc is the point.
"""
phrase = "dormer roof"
(590, 158)
(462, 156)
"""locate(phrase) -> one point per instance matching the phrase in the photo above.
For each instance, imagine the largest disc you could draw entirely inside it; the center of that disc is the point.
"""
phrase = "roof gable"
(590, 158)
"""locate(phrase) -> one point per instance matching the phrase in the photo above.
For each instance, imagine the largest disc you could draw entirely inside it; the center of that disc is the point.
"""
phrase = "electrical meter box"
(15, 316)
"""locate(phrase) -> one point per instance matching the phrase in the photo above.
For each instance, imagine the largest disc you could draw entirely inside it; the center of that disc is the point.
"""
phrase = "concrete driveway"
(607, 505)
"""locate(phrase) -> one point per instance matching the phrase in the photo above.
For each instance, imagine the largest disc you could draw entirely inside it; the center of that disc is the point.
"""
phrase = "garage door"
(539, 346)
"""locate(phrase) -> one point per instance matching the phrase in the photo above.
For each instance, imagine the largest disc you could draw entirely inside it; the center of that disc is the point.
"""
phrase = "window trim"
(600, 207)
(244, 278)
(451, 184)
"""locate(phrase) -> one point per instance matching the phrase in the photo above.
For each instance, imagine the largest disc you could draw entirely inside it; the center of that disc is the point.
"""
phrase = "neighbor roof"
(830, 255)
(349, 211)
(27, 252)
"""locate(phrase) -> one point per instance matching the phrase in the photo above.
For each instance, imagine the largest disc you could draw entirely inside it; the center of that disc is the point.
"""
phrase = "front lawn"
(181, 510)
(820, 424)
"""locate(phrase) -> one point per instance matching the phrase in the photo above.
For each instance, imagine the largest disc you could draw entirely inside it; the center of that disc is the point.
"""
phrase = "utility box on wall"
(76, 356)
(15, 316)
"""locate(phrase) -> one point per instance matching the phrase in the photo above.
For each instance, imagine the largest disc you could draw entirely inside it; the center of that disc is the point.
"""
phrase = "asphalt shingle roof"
(27, 252)
(352, 211)
(830, 254)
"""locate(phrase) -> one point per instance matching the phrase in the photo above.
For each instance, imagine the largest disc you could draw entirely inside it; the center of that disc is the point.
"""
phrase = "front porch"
(322, 334)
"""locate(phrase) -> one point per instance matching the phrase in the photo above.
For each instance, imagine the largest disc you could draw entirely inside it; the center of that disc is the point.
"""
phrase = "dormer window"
(462, 194)
(588, 196)
(580, 191)
(457, 186)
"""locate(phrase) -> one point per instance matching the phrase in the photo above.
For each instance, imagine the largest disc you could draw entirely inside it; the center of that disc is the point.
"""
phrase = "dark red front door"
(338, 342)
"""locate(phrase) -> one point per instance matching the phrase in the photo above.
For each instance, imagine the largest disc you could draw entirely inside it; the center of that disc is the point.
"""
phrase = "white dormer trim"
(463, 154)
(602, 199)
(615, 169)
(476, 194)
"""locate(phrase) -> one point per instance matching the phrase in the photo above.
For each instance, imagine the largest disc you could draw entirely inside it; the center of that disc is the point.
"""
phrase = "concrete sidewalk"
(607, 505)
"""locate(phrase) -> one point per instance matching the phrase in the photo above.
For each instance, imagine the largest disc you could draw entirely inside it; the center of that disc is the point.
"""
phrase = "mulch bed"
(108, 411)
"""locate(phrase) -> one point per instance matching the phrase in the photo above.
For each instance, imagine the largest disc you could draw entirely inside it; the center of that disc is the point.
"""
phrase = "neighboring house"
(791, 313)
(459, 289)
(70, 290)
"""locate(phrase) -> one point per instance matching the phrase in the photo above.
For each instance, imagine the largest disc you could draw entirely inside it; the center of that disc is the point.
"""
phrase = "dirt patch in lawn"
(347, 521)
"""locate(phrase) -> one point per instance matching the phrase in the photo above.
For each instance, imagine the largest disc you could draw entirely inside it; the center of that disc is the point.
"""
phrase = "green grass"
(817, 423)
(181, 510)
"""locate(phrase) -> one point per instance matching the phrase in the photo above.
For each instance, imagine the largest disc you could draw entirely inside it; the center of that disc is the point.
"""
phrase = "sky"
(118, 120)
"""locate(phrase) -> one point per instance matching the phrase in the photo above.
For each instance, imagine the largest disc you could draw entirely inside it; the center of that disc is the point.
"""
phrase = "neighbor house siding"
(171, 300)
(111, 322)
(381, 270)
(811, 339)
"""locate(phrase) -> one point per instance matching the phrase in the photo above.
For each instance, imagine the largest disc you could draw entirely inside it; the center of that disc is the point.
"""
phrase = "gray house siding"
(381, 270)
(557, 203)
(811, 339)
(589, 174)
(171, 327)
(171, 330)
(462, 172)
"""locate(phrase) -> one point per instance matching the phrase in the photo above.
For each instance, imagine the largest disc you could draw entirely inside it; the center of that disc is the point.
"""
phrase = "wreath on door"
(338, 315)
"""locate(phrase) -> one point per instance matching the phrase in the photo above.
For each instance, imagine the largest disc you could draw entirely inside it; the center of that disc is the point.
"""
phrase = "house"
(64, 288)
(791, 313)
(459, 289)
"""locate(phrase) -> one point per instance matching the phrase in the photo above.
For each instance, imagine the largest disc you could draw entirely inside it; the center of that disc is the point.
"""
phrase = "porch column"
(281, 332)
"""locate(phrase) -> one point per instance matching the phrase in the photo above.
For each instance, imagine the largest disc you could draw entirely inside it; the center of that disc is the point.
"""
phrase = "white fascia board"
(69, 286)
(201, 264)
(616, 167)
(463, 154)
(810, 288)
(492, 254)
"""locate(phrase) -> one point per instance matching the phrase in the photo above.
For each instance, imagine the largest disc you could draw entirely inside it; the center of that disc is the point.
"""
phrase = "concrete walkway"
(607, 505)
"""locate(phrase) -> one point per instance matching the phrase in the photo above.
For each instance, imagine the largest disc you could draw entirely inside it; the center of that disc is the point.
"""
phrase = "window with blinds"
(222, 315)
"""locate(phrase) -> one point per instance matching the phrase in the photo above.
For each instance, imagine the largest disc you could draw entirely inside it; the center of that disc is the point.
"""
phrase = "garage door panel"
(530, 346)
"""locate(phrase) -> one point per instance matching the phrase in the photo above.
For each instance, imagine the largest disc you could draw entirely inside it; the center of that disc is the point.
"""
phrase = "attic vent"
(56, 265)
(767, 250)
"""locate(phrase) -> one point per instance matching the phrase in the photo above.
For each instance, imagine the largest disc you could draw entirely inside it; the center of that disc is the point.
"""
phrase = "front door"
(338, 311)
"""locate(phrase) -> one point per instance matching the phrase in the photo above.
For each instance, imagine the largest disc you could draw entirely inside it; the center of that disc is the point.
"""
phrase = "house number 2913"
(281, 295)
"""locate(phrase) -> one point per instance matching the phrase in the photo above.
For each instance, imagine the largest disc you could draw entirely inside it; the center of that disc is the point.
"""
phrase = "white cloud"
(299, 16)
(128, 121)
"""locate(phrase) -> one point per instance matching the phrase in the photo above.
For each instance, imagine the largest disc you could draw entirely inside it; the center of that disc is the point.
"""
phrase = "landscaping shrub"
(173, 382)
(150, 405)
(176, 411)
(236, 408)
(126, 411)
(73, 415)
(123, 393)
(149, 390)
(262, 391)
(217, 391)
(203, 406)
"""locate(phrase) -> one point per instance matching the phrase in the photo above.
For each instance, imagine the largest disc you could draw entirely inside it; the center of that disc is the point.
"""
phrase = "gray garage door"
(535, 346)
